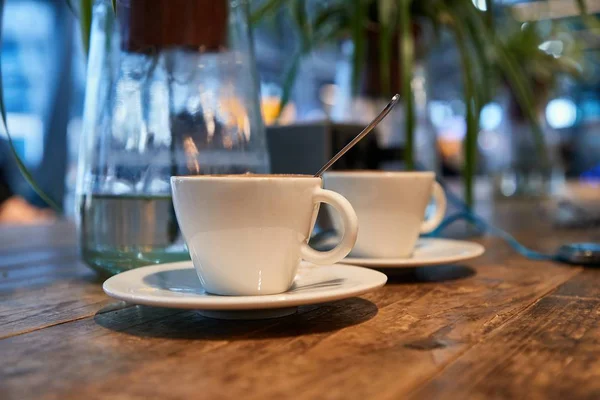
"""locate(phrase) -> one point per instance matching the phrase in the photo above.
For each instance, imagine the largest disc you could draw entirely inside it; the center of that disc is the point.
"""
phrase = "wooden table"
(498, 327)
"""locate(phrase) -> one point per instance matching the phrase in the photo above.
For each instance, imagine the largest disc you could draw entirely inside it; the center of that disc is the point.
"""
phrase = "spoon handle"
(361, 135)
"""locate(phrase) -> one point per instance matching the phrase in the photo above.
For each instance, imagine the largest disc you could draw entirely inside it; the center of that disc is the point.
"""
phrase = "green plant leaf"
(406, 52)
(289, 80)
(298, 12)
(72, 8)
(524, 96)
(472, 108)
(85, 23)
(114, 6)
(326, 28)
(358, 36)
(300, 17)
(483, 67)
(20, 164)
(266, 9)
(517, 81)
(386, 10)
(327, 25)
(330, 24)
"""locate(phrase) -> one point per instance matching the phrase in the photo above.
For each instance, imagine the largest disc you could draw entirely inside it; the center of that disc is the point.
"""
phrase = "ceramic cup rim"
(373, 174)
(243, 177)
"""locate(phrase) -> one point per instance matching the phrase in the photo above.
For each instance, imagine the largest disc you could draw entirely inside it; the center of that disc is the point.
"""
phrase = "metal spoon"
(361, 135)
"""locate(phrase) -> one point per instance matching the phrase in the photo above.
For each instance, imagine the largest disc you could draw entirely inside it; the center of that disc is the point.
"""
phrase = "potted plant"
(392, 26)
(481, 51)
(546, 54)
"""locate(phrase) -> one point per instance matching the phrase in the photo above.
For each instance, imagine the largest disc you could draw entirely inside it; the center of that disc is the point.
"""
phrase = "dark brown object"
(372, 74)
(499, 327)
(150, 25)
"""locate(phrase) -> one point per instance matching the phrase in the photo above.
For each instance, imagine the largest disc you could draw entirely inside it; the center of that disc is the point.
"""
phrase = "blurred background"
(557, 46)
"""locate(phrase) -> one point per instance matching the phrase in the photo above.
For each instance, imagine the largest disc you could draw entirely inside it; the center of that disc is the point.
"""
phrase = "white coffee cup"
(247, 233)
(390, 208)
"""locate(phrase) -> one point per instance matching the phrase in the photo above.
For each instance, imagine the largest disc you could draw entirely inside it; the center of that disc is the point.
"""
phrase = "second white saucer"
(427, 252)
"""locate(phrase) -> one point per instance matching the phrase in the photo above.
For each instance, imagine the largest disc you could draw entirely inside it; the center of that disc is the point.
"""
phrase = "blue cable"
(483, 226)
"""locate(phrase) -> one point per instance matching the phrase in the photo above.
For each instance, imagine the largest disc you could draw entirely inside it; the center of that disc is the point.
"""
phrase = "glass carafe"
(171, 90)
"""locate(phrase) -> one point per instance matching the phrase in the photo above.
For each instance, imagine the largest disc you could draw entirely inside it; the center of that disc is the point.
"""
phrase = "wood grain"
(584, 285)
(351, 349)
(46, 305)
(551, 351)
(41, 288)
(499, 327)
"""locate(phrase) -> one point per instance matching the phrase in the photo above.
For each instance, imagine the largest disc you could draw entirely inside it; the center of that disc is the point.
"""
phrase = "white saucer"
(427, 252)
(176, 285)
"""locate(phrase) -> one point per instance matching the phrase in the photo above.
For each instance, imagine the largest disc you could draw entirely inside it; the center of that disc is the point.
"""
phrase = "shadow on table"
(437, 273)
(144, 321)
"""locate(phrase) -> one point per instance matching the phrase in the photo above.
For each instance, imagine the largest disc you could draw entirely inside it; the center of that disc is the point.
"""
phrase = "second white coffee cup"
(390, 208)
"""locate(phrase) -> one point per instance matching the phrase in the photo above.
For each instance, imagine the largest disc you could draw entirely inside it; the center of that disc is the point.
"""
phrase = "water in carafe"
(156, 111)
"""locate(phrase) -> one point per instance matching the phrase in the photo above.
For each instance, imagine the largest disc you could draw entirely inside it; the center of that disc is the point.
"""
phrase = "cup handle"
(440, 209)
(350, 221)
